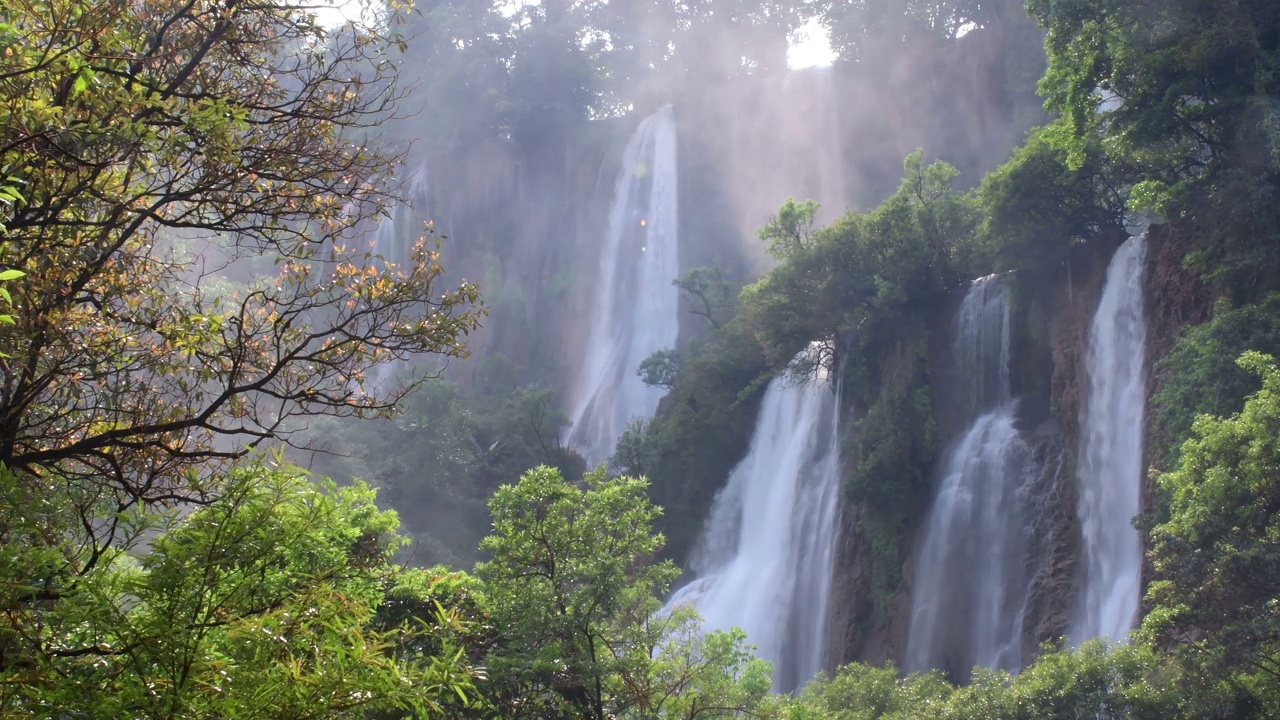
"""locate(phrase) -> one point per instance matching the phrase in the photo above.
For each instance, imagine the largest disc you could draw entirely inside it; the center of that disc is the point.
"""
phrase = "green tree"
(788, 232)
(1217, 558)
(1180, 95)
(438, 462)
(1200, 375)
(661, 369)
(168, 154)
(709, 294)
(1036, 206)
(571, 588)
(1175, 85)
(426, 463)
(697, 675)
(260, 605)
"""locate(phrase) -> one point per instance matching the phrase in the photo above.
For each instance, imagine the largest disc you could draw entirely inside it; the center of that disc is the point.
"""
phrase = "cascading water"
(767, 553)
(394, 238)
(635, 307)
(972, 576)
(1110, 469)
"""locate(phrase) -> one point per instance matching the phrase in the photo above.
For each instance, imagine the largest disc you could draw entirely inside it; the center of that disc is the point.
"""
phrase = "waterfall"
(395, 236)
(1110, 468)
(634, 310)
(972, 574)
(767, 552)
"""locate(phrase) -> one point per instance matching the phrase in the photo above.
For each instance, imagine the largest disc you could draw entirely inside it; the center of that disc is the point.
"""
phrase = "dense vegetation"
(183, 183)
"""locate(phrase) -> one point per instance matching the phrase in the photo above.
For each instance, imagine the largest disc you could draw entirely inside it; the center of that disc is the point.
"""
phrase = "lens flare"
(643, 222)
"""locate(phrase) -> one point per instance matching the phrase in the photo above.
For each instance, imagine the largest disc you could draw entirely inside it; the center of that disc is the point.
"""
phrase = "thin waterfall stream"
(766, 558)
(635, 307)
(1110, 468)
(973, 574)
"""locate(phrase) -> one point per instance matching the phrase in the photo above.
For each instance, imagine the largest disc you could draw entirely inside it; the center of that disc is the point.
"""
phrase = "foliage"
(892, 449)
(6, 318)
(166, 153)
(441, 459)
(863, 29)
(261, 604)
(865, 276)
(572, 593)
(1181, 95)
(703, 675)
(788, 232)
(711, 295)
(895, 446)
(1199, 376)
(1036, 206)
(661, 369)
(571, 587)
(1090, 682)
(1217, 558)
(1181, 84)
(632, 455)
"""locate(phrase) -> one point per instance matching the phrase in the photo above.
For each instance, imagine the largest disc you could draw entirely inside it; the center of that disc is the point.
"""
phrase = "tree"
(1200, 375)
(632, 455)
(426, 464)
(1036, 206)
(661, 369)
(441, 458)
(699, 675)
(1217, 557)
(863, 30)
(572, 589)
(788, 232)
(1176, 85)
(1181, 97)
(173, 157)
(710, 295)
(264, 604)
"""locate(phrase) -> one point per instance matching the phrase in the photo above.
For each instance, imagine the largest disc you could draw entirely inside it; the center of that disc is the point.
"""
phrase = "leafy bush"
(1200, 376)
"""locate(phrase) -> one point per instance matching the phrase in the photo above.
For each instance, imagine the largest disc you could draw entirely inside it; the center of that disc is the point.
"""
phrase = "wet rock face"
(1176, 299)
(1075, 301)
(1055, 545)
(851, 607)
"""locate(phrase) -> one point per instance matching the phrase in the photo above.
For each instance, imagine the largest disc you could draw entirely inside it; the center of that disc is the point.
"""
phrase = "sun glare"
(810, 46)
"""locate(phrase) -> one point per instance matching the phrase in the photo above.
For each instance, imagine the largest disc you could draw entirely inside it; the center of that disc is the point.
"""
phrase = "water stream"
(1110, 465)
(634, 311)
(767, 553)
(973, 568)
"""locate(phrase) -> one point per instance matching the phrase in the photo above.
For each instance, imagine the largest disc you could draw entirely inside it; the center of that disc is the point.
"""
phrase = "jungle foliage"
(439, 461)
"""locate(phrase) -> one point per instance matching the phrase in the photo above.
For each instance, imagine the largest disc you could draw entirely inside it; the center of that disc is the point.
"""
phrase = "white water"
(972, 580)
(767, 553)
(634, 312)
(1110, 469)
(395, 237)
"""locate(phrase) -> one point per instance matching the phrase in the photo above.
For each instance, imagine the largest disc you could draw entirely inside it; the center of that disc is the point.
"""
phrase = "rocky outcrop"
(1054, 543)
(851, 610)
(1176, 298)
